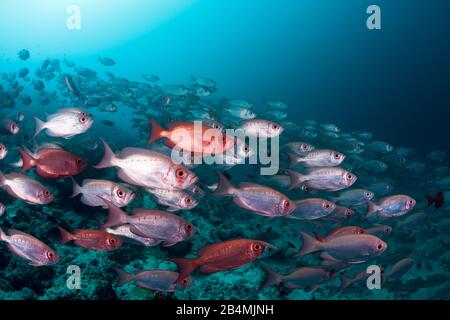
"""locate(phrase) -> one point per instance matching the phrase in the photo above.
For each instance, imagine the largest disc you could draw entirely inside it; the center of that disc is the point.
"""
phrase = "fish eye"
(79, 161)
(188, 227)
(50, 255)
(120, 193)
(348, 213)
(349, 176)
(246, 149)
(46, 193)
(337, 156)
(287, 204)
(387, 230)
(180, 173)
(188, 200)
(327, 205)
(360, 231)
(257, 247)
(274, 126)
(83, 119)
(380, 246)
(184, 282)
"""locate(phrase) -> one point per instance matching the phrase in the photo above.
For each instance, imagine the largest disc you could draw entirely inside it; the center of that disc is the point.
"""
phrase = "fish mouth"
(268, 251)
(192, 180)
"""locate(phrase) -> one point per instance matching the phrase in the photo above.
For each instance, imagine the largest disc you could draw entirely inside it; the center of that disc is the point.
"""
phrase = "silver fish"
(29, 248)
(331, 179)
(353, 248)
(392, 206)
(66, 123)
(312, 208)
(93, 191)
(23, 187)
(257, 198)
(317, 158)
(173, 199)
(155, 224)
(147, 169)
(261, 128)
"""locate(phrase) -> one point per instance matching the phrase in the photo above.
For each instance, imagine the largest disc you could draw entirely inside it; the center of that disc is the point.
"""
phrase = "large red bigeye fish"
(225, 255)
(148, 169)
(29, 248)
(183, 135)
(92, 239)
(53, 163)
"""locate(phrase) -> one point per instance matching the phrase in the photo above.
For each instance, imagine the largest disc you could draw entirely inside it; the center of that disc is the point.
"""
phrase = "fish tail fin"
(186, 266)
(108, 157)
(17, 164)
(157, 131)
(76, 189)
(2, 179)
(116, 216)
(430, 200)
(66, 236)
(272, 279)
(224, 187)
(310, 245)
(124, 277)
(372, 208)
(40, 125)
(293, 159)
(296, 178)
(27, 160)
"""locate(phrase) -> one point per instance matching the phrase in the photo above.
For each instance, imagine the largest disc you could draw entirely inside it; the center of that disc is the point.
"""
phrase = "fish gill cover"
(223, 150)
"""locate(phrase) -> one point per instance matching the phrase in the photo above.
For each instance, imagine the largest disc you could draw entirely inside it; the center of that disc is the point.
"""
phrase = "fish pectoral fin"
(168, 243)
(138, 232)
(312, 289)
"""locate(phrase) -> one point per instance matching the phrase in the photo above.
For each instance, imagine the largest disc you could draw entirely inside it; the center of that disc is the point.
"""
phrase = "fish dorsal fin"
(249, 185)
(14, 232)
(136, 211)
(130, 151)
(75, 110)
(175, 124)
(202, 250)
(13, 175)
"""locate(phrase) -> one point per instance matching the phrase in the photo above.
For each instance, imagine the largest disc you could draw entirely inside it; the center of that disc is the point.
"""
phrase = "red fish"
(184, 136)
(91, 239)
(225, 255)
(53, 163)
(438, 200)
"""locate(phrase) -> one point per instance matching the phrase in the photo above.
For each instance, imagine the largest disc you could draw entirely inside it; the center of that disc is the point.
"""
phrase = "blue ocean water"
(318, 57)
